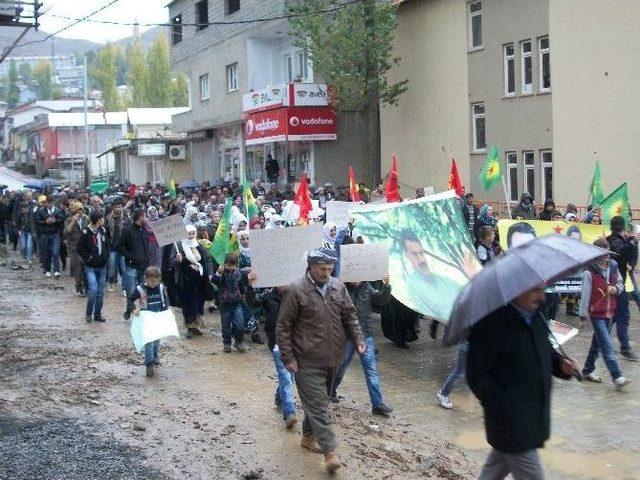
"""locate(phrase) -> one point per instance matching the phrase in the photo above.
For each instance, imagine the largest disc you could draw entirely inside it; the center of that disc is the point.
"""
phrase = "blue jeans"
(601, 342)
(115, 267)
(368, 361)
(232, 318)
(96, 279)
(50, 251)
(285, 386)
(26, 245)
(133, 278)
(458, 369)
(151, 352)
(621, 319)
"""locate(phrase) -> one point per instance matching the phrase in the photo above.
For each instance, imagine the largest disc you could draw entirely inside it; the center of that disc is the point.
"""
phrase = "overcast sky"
(144, 11)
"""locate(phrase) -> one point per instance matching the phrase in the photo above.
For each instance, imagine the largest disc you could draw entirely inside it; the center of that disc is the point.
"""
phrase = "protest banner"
(515, 232)
(339, 212)
(150, 326)
(169, 229)
(431, 254)
(364, 262)
(279, 255)
(561, 333)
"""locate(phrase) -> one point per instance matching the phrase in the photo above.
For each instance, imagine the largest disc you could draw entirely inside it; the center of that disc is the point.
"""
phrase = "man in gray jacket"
(316, 319)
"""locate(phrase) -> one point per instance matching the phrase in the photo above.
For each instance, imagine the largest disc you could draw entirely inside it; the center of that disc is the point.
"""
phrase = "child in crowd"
(152, 296)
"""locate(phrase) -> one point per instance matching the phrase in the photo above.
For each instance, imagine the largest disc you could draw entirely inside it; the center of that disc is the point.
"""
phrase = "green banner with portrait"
(431, 254)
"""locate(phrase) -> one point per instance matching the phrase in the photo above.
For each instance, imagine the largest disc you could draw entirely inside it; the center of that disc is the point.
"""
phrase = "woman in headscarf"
(251, 315)
(190, 215)
(332, 237)
(155, 252)
(485, 219)
(191, 279)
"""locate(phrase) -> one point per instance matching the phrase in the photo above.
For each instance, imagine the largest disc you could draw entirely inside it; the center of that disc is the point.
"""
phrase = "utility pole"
(86, 123)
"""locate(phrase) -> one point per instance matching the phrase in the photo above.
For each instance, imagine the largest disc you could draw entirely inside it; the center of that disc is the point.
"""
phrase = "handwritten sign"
(339, 212)
(279, 255)
(364, 262)
(169, 229)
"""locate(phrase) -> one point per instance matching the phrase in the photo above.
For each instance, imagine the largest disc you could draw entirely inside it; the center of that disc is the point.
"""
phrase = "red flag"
(303, 199)
(391, 189)
(353, 186)
(454, 179)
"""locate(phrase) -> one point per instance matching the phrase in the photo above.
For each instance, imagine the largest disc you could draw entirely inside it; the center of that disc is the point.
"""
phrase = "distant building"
(65, 70)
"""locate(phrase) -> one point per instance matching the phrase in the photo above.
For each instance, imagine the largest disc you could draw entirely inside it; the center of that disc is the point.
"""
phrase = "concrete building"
(225, 62)
(480, 74)
(66, 72)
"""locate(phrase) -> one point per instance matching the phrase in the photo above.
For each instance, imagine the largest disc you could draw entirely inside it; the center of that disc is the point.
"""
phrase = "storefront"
(284, 121)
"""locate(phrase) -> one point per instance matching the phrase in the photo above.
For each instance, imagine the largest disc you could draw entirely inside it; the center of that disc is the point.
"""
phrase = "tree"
(25, 73)
(121, 66)
(13, 91)
(42, 79)
(138, 75)
(104, 73)
(180, 90)
(350, 45)
(159, 73)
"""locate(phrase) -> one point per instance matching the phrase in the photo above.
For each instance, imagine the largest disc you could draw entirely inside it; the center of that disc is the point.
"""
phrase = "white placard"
(339, 212)
(428, 191)
(279, 255)
(169, 229)
(562, 333)
(291, 211)
(364, 262)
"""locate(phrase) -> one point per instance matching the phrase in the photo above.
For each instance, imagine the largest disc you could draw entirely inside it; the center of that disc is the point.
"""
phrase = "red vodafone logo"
(294, 121)
(249, 127)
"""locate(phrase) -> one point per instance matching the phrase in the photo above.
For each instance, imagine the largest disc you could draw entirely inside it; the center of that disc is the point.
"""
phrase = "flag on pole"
(491, 173)
(353, 186)
(222, 242)
(455, 183)
(172, 188)
(596, 193)
(392, 188)
(249, 202)
(616, 205)
(303, 200)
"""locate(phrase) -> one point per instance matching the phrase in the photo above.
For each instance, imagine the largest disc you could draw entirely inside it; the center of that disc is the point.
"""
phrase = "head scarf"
(190, 210)
(322, 256)
(485, 217)
(327, 239)
(188, 245)
(152, 213)
(244, 251)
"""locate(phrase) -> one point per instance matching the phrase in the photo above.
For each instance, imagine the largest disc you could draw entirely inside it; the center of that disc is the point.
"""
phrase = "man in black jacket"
(50, 220)
(93, 248)
(133, 247)
(625, 247)
(509, 368)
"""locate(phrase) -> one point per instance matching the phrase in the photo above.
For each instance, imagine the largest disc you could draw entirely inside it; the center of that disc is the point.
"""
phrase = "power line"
(75, 22)
(234, 22)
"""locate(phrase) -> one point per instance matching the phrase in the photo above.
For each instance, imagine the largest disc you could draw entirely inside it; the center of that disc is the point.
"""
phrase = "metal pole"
(86, 123)
(506, 196)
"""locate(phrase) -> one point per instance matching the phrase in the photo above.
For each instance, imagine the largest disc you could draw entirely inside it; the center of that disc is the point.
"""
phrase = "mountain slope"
(61, 46)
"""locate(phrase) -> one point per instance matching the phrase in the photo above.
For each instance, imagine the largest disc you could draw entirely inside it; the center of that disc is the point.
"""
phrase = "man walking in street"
(93, 248)
(133, 247)
(509, 368)
(625, 248)
(50, 220)
(316, 320)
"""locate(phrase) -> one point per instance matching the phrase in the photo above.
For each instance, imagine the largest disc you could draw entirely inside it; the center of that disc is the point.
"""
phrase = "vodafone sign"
(294, 124)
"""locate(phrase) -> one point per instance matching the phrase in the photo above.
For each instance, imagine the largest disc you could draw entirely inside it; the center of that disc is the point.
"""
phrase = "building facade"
(530, 76)
(223, 63)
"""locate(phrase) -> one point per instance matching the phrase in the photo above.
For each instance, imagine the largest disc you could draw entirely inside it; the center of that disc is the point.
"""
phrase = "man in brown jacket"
(316, 319)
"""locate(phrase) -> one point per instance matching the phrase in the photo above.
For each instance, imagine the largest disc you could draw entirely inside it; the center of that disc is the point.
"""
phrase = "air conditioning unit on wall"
(177, 152)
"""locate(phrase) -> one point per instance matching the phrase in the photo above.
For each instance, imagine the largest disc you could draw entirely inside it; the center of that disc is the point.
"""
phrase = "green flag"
(172, 188)
(492, 170)
(616, 204)
(249, 202)
(222, 241)
(596, 194)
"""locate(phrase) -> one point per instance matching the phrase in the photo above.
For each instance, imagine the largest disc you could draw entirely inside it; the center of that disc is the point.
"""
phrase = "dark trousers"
(314, 388)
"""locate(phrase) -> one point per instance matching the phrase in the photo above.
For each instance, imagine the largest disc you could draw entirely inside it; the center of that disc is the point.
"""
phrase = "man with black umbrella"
(509, 368)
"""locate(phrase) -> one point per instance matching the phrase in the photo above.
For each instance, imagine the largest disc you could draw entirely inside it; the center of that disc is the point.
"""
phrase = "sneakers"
(193, 332)
(87, 318)
(240, 346)
(124, 293)
(226, 348)
(150, 371)
(111, 288)
(126, 315)
(592, 377)
(99, 318)
(629, 355)
(256, 338)
(444, 400)
(621, 382)
(56, 274)
(310, 443)
(47, 274)
(382, 410)
(331, 462)
(290, 421)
